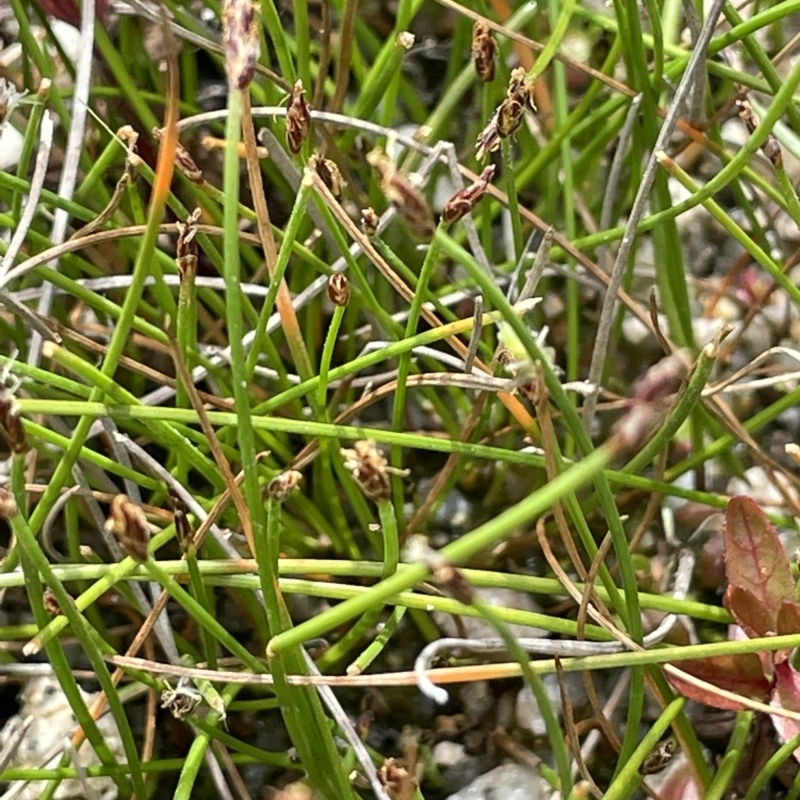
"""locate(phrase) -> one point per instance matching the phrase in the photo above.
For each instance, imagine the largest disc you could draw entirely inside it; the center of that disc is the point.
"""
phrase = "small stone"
(509, 782)
(449, 754)
(527, 712)
(53, 721)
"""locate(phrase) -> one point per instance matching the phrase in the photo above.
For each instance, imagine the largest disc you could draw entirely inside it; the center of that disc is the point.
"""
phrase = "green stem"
(468, 545)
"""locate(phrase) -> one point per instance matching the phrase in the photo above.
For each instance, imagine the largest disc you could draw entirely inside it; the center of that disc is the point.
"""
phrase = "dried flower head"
(298, 118)
(281, 486)
(51, 605)
(329, 172)
(186, 249)
(771, 147)
(397, 779)
(11, 425)
(483, 50)
(183, 161)
(508, 115)
(402, 194)
(183, 531)
(369, 468)
(128, 524)
(240, 41)
(338, 289)
(369, 221)
(8, 505)
(10, 98)
(182, 700)
(464, 201)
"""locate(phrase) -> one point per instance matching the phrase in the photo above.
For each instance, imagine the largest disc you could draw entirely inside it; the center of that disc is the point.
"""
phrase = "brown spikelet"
(369, 221)
(11, 425)
(369, 468)
(298, 118)
(240, 41)
(183, 161)
(51, 605)
(771, 147)
(508, 115)
(281, 486)
(182, 700)
(483, 50)
(464, 201)
(329, 172)
(128, 524)
(403, 195)
(8, 505)
(338, 289)
(186, 249)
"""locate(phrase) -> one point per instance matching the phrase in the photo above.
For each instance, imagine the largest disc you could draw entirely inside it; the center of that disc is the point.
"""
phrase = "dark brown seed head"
(508, 115)
(329, 172)
(183, 161)
(369, 221)
(128, 524)
(11, 425)
(483, 49)
(281, 486)
(747, 115)
(183, 530)
(186, 248)
(338, 289)
(369, 468)
(403, 195)
(51, 605)
(240, 41)
(463, 202)
(298, 118)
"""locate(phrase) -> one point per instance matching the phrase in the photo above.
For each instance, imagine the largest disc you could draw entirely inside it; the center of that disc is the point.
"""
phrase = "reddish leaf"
(754, 556)
(789, 618)
(749, 612)
(788, 623)
(67, 10)
(679, 782)
(741, 674)
(786, 695)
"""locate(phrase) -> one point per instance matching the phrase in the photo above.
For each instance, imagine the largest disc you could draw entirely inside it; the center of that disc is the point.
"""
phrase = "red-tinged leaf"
(741, 674)
(749, 612)
(754, 556)
(68, 11)
(789, 618)
(679, 782)
(786, 695)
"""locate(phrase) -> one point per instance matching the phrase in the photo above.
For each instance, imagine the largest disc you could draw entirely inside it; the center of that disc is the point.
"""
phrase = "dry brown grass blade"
(213, 442)
(283, 299)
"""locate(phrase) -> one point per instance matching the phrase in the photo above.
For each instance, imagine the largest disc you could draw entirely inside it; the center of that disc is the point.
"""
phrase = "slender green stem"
(458, 551)
(554, 734)
(732, 758)
(628, 777)
(510, 177)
